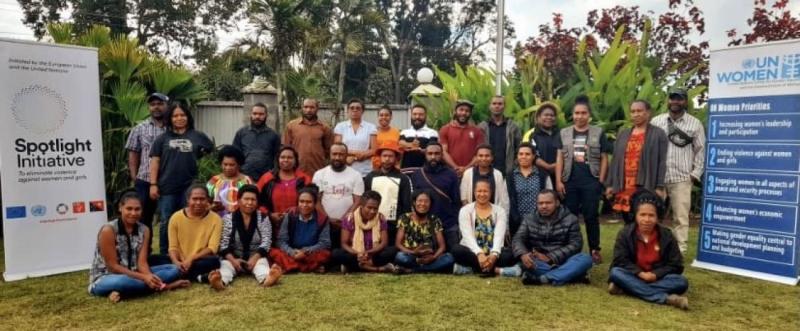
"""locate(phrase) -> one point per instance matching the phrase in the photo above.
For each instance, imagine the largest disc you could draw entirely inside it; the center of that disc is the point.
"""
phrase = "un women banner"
(51, 157)
(752, 183)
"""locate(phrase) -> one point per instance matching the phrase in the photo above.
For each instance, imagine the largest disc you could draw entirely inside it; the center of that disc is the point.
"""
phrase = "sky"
(526, 15)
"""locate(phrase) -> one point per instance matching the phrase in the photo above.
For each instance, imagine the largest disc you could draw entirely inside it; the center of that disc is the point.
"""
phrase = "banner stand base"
(746, 273)
(11, 277)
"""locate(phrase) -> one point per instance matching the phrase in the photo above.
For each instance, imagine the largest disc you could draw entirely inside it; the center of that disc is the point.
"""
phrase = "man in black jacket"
(549, 244)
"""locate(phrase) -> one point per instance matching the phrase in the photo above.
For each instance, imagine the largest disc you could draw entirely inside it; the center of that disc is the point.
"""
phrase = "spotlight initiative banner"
(51, 157)
(751, 192)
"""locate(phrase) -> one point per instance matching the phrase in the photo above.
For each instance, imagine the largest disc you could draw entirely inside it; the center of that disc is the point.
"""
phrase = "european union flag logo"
(15, 212)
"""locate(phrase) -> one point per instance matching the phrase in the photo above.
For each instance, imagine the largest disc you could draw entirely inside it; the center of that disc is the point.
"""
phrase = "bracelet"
(153, 184)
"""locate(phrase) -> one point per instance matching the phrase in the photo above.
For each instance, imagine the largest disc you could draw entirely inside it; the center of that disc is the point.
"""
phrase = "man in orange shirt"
(311, 138)
(460, 139)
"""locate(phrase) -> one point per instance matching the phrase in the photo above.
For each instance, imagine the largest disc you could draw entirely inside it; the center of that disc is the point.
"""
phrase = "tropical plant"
(620, 74)
(128, 72)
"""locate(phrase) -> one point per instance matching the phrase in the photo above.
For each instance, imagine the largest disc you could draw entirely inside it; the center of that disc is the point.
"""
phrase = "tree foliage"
(768, 23)
(167, 27)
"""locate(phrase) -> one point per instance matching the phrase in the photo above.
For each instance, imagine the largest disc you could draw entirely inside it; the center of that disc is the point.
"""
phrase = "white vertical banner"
(51, 157)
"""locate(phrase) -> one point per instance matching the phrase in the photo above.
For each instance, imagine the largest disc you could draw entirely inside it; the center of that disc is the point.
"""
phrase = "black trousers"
(463, 256)
(343, 257)
(149, 206)
(202, 266)
(585, 200)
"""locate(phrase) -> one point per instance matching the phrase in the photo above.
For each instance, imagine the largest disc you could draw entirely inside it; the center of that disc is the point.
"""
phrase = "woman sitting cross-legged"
(483, 226)
(120, 269)
(246, 239)
(647, 262)
(304, 241)
(365, 239)
(420, 239)
(194, 236)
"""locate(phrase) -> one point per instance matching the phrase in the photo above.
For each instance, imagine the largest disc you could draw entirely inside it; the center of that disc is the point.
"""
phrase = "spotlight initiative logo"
(39, 109)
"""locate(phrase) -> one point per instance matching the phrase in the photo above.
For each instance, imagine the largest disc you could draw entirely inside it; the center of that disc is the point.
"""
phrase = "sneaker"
(461, 270)
(215, 279)
(275, 273)
(529, 278)
(597, 258)
(678, 301)
(613, 289)
(514, 271)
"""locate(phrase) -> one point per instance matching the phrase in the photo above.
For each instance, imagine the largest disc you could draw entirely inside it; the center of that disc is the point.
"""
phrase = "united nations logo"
(748, 63)
(38, 210)
(39, 109)
(62, 208)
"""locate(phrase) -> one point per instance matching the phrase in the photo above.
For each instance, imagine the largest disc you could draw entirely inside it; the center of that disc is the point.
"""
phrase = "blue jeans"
(656, 292)
(127, 286)
(442, 264)
(574, 267)
(167, 205)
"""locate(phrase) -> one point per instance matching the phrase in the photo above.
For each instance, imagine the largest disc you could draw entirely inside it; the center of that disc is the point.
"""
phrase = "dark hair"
(339, 144)
(311, 189)
(248, 188)
(583, 100)
(531, 147)
(544, 107)
(644, 102)
(484, 146)
(230, 151)
(370, 195)
(259, 104)
(482, 180)
(386, 107)
(171, 110)
(197, 186)
(419, 105)
(434, 143)
(417, 193)
(125, 195)
(294, 152)
(646, 197)
(356, 100)
(548, 191)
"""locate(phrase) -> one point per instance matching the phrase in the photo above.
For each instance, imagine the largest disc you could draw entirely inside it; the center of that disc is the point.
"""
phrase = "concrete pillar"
(261, 91)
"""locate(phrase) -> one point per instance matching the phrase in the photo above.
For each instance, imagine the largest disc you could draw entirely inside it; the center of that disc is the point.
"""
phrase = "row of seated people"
(545, 249)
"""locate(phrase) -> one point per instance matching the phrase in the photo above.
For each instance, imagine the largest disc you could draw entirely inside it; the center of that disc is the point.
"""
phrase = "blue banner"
(755, 105)
(754, 127)
(752, 186)
(757, 157)
(751, 191)
(751, 215)
(754, 250)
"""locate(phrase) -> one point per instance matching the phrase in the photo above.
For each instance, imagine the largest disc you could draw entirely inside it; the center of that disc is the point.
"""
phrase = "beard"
(159, 115)
(310, 117)
(337, 166)
(417, 124)
(257, 123)
(462, 120)
(677, 108)
(433, 165)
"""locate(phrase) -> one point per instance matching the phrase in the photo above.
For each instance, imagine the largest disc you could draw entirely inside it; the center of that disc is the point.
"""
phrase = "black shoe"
(528, 278)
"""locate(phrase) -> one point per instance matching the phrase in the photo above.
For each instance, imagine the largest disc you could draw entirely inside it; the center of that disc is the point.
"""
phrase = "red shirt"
(647, 252)
(461, 142)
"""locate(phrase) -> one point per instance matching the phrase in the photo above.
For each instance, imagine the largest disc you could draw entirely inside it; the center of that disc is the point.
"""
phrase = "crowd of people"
(482, 199)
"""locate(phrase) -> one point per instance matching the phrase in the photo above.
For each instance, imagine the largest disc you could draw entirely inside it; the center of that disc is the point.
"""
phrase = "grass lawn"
(416, 302)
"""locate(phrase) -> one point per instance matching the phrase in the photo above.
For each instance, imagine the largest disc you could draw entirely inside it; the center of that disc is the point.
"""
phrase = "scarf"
(358, 235)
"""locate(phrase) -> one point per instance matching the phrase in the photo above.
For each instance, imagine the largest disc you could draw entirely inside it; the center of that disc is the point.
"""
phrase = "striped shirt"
(141, 141)
(683, 163)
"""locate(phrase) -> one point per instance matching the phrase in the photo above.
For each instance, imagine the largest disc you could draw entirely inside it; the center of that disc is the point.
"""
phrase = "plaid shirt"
(684, 163)
(141, 140)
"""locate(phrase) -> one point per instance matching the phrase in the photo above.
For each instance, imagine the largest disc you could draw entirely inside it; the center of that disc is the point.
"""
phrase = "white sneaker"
(461, 270)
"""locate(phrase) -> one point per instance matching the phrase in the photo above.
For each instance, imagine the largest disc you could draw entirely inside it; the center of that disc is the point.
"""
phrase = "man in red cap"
(393, 186)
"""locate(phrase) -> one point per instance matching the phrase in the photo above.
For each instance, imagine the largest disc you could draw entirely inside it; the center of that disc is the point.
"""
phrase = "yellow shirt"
(190, 235)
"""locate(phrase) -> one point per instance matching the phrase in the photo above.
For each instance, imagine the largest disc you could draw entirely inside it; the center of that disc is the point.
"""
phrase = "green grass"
(417, 302)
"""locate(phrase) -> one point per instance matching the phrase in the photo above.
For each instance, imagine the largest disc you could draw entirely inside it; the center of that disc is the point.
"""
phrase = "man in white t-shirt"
(340, 188)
